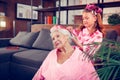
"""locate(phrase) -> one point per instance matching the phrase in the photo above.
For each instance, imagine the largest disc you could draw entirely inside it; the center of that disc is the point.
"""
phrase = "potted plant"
(108, 64)
(114, 19)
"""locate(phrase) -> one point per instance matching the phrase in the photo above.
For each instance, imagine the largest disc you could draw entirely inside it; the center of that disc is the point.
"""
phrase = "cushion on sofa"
(112, 35)
(43, 40)
(32, 57)
(25, 39)
(6, 53)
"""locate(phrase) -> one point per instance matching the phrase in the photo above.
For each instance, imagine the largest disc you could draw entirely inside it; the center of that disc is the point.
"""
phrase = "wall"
(21, 25)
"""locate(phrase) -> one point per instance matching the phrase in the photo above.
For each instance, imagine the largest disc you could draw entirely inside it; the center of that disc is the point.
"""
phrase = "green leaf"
(109, 55)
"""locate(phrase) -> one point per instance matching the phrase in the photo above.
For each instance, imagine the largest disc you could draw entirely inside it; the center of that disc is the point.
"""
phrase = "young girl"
(91, 30)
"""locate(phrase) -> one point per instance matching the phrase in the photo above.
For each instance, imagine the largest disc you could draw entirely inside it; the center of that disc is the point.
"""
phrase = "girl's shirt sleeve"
(75, 32)
(97, 37)
(86, 39)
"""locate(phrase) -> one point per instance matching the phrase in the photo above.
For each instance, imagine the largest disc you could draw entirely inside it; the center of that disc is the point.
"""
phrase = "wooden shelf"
(47, 9)
(110, 4)
(77, 7)
(103, 5)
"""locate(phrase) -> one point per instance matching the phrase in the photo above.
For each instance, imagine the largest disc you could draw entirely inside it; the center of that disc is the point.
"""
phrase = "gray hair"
(63, 31)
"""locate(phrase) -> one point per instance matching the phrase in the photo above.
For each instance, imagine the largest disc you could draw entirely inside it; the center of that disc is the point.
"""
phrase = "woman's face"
(88, 19)
(58, 39)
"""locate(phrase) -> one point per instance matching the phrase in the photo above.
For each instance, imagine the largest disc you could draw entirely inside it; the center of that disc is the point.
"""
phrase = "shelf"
(61, 8)
(110, 4)
(77, 7)
(104, 5)
(47, 9)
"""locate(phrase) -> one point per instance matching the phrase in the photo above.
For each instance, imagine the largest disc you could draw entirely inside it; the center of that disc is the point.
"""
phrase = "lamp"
(2, 23)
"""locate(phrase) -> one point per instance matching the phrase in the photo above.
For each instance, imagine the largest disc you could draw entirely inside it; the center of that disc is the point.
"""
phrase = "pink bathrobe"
(77, 67)
(85, 38)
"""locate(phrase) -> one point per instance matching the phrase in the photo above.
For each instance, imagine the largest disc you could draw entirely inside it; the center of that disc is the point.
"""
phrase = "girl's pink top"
(85, 38)
(77, 67)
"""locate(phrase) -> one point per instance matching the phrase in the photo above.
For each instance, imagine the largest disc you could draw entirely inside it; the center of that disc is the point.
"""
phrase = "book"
(54, 19)
(49, 19)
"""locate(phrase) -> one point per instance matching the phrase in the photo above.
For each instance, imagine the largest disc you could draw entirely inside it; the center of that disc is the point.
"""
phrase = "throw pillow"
(43, 40)
(24, 39)
(112, 35)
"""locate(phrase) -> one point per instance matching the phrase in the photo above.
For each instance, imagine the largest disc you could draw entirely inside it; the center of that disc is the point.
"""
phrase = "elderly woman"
(65, 62)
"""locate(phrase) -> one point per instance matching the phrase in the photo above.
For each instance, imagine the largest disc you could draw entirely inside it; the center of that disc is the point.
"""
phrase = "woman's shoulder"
(53, 51)
(80, 54)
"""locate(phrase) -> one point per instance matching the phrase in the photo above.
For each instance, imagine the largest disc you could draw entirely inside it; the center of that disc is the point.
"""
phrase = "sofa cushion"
(43, 40)
(5, 53)
(25, 39)
(112, 35)
(32, 57)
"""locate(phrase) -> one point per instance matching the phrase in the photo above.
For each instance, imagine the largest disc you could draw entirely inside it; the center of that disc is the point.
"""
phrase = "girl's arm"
(75, 40)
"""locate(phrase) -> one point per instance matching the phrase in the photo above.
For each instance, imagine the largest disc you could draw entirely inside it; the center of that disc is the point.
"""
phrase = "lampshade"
(3, 23)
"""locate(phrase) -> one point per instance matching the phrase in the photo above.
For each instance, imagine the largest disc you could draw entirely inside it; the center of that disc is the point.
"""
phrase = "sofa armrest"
(4, 42)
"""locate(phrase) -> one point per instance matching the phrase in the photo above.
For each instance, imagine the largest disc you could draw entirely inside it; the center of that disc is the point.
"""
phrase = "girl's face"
(58, 39)
(88, 19)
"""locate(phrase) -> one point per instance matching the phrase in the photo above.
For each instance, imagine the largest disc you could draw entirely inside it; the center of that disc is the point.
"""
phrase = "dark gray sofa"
(26, 52)
(21, 56)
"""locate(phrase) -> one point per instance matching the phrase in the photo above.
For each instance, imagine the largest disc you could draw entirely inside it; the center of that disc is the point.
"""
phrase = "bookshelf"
(67, 8)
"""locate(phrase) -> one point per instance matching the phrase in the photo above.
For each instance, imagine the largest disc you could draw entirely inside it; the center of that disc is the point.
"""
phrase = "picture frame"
(24, 12)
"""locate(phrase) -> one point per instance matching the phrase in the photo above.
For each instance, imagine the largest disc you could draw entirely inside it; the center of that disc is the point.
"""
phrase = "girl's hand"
(75, 40)
(69, 28)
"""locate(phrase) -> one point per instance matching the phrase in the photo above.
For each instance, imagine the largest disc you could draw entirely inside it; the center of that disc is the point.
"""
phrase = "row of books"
(50, 20)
